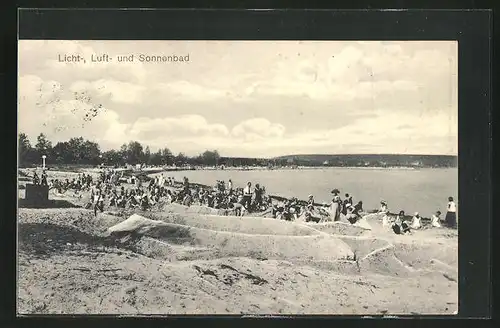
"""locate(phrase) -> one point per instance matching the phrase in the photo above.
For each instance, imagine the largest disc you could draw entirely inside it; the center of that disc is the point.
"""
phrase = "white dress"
(416, 223)
(383, 209)
(435, 221)
(385, 221)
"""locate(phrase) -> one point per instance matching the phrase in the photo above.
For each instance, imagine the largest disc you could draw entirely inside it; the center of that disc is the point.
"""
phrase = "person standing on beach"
(451, 214)
(98, 202)
(44, 178)
(258, 196)
(346, 204)
(185, 187)
(36, 179)
(230, 186)
(335, 208)
(247, 196)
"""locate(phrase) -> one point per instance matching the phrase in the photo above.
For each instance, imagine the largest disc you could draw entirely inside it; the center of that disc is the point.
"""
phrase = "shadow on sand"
(42, 240)
(51, 203)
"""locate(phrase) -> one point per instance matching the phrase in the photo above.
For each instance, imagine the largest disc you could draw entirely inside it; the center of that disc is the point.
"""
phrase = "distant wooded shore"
(78, 151)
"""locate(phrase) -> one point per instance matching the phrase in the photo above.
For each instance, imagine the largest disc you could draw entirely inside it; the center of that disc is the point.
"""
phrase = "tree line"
(80, 151)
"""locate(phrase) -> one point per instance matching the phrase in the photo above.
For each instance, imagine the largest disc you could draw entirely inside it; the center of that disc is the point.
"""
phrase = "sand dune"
(251, 225)
(232, 244)
(189, 260)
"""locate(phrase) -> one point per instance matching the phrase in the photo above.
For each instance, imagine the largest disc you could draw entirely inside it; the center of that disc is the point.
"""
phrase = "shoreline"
(186, 169)
(303, 168)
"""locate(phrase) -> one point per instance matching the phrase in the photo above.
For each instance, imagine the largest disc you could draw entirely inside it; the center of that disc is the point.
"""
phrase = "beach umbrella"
(335, 191)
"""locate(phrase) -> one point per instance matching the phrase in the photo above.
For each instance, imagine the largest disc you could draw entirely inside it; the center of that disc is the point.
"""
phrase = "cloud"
(355, 72)
(247, 98)
(189, 91)
(258, 128)
(190, 125)
(120, 92)
(45, 106)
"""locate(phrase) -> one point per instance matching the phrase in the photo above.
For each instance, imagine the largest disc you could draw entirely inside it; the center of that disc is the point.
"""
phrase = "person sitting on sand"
(383, 207)
(359, 207)
(295, 207)
(405, 228)
(237, 208)
(310, 203)
(400, 217)
(285, 214)
(196, 196)
(346, 203)
(169, 197)
(269, 202)
(293, 213)
(275, 210)
(279, 209)
(352, 214)
(132, 200)
(416, 221)
(399, 226)
(217, 200)
(144, 202)
(78, 185)
(151, 184)
(187, 200)
(310, 218)
(435, 220)
(121, 201)
(323, 211)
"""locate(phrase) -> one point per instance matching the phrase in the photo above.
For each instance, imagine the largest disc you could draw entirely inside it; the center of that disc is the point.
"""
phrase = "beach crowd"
(113, 189)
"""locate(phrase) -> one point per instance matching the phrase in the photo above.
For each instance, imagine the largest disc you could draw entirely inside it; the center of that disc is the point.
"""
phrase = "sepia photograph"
(237, 177)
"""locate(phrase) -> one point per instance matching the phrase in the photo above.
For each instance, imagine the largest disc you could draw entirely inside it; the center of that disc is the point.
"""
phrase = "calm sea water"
(422, 190)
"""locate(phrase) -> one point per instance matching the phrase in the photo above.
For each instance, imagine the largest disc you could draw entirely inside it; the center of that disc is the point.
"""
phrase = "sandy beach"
(190, 260)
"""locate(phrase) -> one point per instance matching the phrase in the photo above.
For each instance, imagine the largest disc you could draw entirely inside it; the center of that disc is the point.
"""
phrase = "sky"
(245, 98)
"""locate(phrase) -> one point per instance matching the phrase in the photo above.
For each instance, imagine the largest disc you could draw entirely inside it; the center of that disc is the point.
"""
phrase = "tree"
(181, 159)
(210, 158)
(112, 157)
(25, 151)
(135, 153)
(43, 145)
(123, 152)
(62, 154)
(147, 156)
(156, 158)
(75, 148)
(167, 157)
(90, 152)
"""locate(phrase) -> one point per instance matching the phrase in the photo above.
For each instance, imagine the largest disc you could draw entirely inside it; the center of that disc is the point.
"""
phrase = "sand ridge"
(184, 260)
